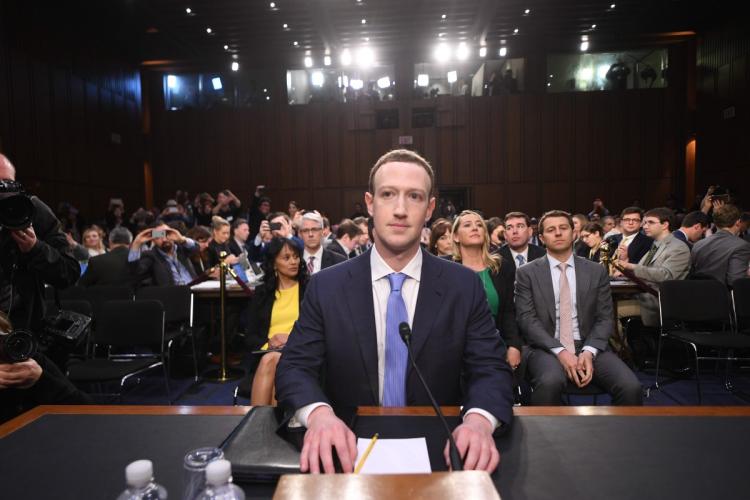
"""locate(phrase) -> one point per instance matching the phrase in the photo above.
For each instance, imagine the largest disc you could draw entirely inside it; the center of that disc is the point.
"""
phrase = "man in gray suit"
(564, 309)
(723, 255)
(667, 259)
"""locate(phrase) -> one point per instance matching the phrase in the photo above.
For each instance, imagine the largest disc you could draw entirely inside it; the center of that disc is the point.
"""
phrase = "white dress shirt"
(525, 255)
(570, 272)
(318, 258)
(381, 289)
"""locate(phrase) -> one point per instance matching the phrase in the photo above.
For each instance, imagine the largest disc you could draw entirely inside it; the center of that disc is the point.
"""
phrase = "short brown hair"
(593, 227)
(517, 215)
(663, 214)
(726, 216)
(555, 213)
(349, 228)
(404, 156)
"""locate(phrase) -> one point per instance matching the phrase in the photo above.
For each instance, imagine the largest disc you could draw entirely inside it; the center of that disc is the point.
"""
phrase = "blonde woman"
(93, 241)
(471, 248)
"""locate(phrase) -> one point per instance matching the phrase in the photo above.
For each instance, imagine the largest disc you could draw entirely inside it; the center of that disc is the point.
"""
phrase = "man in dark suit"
(111, 268)
(631, 240)
(168, 261)
(315, 256)
(517, 248)
(347, 238)
(723, 255)
(693, 228)
(347, 331)
(564, 309)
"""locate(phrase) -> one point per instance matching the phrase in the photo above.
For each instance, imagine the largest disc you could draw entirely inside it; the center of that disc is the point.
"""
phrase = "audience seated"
(592, 235)
(220, 243)
(202, 236)
(724, 255)
(316, 257)
(93, 240)
(632, 244)
(238, 243)
(564, 310)
(273, 311)
(667, 259)
(168, 260)
(496, 230)
(579, 220)
(260, 207)
(228, 206)
(277, 225)
(363, 242)
(693, 228)
(111, 268)
(347, 236)
(441, 239)
(517, 250)
(471, 247)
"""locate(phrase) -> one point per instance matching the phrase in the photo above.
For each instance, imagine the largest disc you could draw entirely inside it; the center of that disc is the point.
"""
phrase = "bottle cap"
(139, 473)
(218, 472)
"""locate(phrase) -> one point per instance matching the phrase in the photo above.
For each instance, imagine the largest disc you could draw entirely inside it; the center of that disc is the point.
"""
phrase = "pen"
(362, 459)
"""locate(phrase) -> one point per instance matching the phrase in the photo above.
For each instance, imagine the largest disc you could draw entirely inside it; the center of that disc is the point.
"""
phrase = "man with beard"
(168, 261)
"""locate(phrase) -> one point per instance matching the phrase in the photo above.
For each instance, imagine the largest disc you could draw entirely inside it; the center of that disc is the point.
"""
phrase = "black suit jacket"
(534, 253)
(330, 259)
(454, 341)
(259, 315)
(109, 269)
(639, 247)
(681, 236)
(336, 247)
(153, 269)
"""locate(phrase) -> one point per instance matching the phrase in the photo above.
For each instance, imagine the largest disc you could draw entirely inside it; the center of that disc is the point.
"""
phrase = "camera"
(16, 346)
(275, 226)
(158, 233)
(16, 208)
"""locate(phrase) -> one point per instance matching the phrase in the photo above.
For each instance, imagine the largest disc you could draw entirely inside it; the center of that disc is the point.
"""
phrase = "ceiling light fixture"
(327, 60)
(346, 57)
(272, 5)
(527, 12)
(584, 46)
(452, 76)
(364, 21)
(462, 51)
(235, 66)
(188, 10)
(442, 53)
(285, 26)
(295, 43)
(612, 6)
(515, 31)
(443, 16)
(226, 47)
(593, 26)
(209, 30)
(503, 51)
(365, 57)
(317, 79)
(308, 62)
(482, 51)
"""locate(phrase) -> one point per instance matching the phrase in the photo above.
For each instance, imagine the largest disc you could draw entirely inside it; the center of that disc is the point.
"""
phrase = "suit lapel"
(360, 303)
(583, 282)
(543, 277)
(429, 301)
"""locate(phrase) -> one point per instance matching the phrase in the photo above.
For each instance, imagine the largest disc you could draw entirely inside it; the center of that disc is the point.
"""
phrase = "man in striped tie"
(348, 332)
(564, 310)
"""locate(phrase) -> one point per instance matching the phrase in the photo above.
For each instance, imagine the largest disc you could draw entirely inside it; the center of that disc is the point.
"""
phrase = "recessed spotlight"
(452, 76)
(593, 26)
(359, 1)
(209, 30)
(364, 21)
(235, 66)
(327, 60)
(272, 5)
(482, 51)
(515, 31)
(442, 53)
(584, 46)
(235, 56)
(462, 52)
(308, 62)
(265, 91)
(551, 76)
(443, 16)
(365, 57)
(423, 79)
(317, 79)
(226, 47)
(549, 84)
(295, 43)
(612, 6)
(188, 10)
(346, 57)
(503, 51)
(285, 26)
(527, 12)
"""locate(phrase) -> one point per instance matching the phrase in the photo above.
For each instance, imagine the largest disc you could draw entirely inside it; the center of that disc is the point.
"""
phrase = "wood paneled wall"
(723, 112)
(73, 131)
(530, 152)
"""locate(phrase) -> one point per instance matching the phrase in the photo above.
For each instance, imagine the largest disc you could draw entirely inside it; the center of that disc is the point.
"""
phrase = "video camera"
(16, 208)
(16, 346)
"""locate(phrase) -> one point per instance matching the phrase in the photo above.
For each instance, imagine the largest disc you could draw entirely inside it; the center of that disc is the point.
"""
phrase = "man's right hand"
(569, 363)
(325, 431)
(142, 237)
(265, 231)
(20, 375)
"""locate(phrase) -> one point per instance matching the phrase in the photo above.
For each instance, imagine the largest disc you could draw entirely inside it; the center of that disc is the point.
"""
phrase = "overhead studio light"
(364, 21)
(612, 6)
(346, 57)
(285, 26)
(188, 10)
(384, 82)
(209, 30)
(365, 57)
(527, 12)
(452, 76)
(317, 79)
(442, 52)
(235, 66)
(601, 71)
(357, 84)
(216, 82)
(423, 79)
(171, 81)
(462, 52)
(482, 51)
(515, 31)
(308, 62)
(503, 51)
(584, 46)
(443, 16)
(327, 60)
(226, 47)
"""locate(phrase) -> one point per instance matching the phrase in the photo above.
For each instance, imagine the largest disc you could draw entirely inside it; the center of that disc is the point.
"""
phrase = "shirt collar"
(379, 269)
(553, 262)
(306, 255)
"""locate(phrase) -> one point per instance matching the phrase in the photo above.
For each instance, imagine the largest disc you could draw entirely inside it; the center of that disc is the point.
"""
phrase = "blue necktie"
(520, 259)
(396, 354)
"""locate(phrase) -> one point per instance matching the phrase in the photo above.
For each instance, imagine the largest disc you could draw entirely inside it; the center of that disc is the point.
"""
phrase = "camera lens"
(17, 346)
(16, 212)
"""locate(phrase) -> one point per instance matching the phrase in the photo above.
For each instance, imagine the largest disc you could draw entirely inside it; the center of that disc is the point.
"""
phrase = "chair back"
(177, 301)
(700, 301)
(127, 323)
(741, 303)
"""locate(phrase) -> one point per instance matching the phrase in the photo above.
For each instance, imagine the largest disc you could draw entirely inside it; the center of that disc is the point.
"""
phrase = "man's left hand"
(475, 443)
(25, 239)
(19, 375)
(585, 367)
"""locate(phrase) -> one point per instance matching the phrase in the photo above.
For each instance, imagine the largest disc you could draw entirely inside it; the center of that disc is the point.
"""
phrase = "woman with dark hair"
(441, 242)
(274, 310)
(496, 232)
(471, 247)
(202, 236)
(220, 242)
(592, 235)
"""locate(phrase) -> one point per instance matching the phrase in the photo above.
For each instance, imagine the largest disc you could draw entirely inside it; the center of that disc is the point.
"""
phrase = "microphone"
(456, 463)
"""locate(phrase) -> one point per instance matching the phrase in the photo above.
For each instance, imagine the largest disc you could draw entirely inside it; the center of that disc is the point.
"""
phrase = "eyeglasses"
(311, 230)
(631, 220)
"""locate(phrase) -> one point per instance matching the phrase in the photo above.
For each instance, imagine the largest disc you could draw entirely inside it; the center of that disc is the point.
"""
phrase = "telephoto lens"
(16, 208)
(16, 346)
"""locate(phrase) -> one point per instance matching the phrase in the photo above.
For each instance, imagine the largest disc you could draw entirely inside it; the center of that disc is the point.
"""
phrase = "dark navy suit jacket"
(331, 355)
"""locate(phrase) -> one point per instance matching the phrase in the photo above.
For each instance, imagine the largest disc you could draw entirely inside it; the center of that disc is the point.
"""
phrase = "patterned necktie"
(650, 255)
(566, 311)
(310, 265)
(396, 354)
(521, 261)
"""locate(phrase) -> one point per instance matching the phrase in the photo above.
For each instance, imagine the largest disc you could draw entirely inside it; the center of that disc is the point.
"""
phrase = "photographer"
(168, 261)
(33, 251)
(31, 381)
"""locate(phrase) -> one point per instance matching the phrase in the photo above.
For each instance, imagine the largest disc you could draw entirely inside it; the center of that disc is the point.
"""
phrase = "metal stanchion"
(223, 373)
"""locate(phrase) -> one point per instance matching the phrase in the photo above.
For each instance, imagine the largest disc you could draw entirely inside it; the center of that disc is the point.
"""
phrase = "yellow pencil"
(362, 459)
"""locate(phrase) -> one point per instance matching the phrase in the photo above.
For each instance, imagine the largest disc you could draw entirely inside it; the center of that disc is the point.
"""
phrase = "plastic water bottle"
(139, 476)
(219, 483)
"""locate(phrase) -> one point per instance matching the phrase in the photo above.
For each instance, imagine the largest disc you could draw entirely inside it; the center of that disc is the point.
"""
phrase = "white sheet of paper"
(395, 456)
